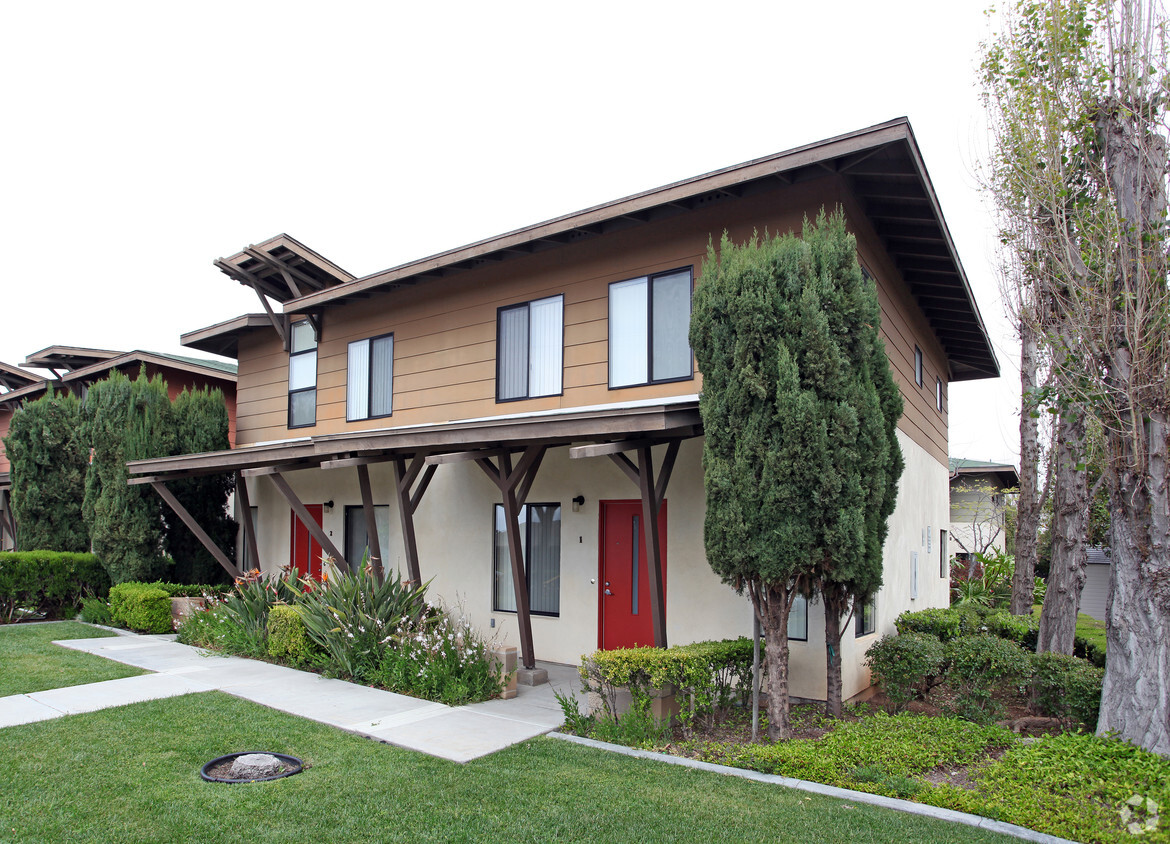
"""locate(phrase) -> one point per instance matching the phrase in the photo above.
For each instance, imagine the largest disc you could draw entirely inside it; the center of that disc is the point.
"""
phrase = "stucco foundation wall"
(454, 529)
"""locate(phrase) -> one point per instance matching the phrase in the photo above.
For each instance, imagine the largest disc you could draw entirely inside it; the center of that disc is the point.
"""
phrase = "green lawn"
(30, 662)
(131, 774)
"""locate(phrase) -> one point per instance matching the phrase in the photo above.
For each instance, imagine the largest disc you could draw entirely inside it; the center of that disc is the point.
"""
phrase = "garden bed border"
(922, 809)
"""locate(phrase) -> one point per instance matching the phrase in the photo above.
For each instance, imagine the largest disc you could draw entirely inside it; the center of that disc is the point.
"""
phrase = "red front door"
(306, 552)
(624, 588)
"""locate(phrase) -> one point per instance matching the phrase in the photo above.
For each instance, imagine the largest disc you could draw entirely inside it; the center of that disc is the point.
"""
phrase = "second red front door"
(624, 592)
(305, 557)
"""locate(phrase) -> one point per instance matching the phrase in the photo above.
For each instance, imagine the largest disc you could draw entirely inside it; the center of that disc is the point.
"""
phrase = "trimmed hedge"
(1066, 686)
(709, 676)
(288, 639)
(48, 583)
(143, 607)
(907, 666)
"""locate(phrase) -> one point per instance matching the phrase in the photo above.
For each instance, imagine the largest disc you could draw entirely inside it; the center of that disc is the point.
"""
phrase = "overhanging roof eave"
(670, 420)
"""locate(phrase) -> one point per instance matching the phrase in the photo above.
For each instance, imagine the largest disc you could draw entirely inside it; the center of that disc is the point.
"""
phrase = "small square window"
(918, 366)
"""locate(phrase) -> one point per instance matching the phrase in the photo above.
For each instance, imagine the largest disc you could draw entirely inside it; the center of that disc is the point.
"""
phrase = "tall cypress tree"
(796, 416)
(48, 458)
(201, 425)
(126, 420)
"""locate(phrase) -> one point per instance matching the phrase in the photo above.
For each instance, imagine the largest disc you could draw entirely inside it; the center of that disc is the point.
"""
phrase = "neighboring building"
(74, 369)
(981, 494)
(536, 391)
(12, 378)
(1095, 593)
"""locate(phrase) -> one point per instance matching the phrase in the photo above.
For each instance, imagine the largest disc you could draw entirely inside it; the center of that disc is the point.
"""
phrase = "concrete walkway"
(456, 733)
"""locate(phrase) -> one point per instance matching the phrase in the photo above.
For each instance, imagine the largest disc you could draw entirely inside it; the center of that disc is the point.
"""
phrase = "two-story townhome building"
(516, 421)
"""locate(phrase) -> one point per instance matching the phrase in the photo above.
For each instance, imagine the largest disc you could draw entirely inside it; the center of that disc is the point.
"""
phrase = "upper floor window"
(529, 349)
(369, 385)
(938, 393)
(918, 366)
(302, 375)
(649, 320)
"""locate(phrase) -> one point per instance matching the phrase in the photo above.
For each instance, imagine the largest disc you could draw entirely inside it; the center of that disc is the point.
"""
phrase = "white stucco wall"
(454, 529)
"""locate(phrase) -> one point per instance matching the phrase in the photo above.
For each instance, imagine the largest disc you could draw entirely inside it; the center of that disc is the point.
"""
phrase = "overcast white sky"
(140, 141)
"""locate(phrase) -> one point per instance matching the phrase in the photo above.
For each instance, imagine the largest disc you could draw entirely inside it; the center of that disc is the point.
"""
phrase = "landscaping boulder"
(254, 766)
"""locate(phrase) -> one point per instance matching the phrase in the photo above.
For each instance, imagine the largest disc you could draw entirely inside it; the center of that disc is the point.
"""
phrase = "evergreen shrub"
(1024, 630)
(1065, 686)
(287, 638)
(978, 665)
(142, 607)
(47, 583)
(95, 611)
(906, 666)
(944, 623)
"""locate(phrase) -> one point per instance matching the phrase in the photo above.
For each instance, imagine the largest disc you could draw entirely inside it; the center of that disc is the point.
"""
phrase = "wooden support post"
(404, 478)
(200, 534)
(514, 485)
(308, 521)
(372, 539)
(249, 529)
(650, 506)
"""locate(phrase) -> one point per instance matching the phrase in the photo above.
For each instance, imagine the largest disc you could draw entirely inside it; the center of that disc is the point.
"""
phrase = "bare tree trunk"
(1028, 502)
(1070, 522)
(1134, 701)
(773, 605)
(835, 607)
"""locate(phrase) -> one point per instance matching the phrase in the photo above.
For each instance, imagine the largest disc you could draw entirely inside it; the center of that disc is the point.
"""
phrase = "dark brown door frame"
(653, 492)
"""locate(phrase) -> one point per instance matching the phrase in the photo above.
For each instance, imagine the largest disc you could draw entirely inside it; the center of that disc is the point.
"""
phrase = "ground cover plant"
(30, 662)
(353, 626)
(131, 774)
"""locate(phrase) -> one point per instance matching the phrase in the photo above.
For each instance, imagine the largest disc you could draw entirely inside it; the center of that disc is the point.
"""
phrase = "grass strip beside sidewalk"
(30, 662)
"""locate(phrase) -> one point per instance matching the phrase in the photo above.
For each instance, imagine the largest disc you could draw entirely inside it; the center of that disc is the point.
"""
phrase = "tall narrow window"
(357, 538)
(369, 384)
(649, 320)
(938, 398)
(798, 620)
(864, 618)
(918, 366)
(302, 375)
(913, 575)
(530, 349)
(944, 568)
(540, 541)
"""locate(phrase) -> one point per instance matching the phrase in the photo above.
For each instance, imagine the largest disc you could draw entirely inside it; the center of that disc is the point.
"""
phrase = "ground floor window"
(798, 619)
(864, 618)
(357, 538)
(540, 539)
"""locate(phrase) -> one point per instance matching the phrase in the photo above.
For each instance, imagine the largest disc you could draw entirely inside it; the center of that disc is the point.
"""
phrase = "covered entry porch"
(381, 481)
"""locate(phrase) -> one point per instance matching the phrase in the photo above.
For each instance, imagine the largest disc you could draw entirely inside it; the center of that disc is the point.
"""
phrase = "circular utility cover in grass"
(251, 766)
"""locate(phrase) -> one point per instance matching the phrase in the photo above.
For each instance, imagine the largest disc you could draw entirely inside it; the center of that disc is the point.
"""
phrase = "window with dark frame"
(865, 618)
(540, 541)
(798, 620)
(302, 375)
(918, 366)
(944, 567)
(357, 538)
(649, 322)
(938, 397)
(530, 339)
(369, 382)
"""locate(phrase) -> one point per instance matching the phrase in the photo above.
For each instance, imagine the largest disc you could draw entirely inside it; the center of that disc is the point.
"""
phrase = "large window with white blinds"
(302, 375)
(649, 323)
(369, 385)
(540, 540)
(530, 349)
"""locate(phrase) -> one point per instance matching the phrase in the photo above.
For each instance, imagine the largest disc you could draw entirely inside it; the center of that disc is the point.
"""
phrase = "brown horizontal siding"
(445, 330)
